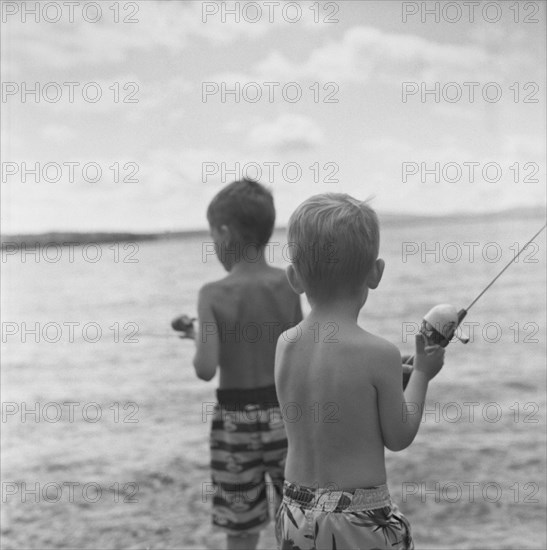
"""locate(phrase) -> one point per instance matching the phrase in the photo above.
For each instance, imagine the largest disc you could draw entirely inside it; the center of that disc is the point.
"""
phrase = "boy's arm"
(207, 339)
(279, 371)
(401, 413)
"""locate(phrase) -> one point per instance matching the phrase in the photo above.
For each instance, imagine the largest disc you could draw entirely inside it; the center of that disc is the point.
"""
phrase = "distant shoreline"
(68, 237)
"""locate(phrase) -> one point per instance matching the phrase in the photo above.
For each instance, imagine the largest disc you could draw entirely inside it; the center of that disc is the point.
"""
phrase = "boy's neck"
(252, 262)
(343, 309)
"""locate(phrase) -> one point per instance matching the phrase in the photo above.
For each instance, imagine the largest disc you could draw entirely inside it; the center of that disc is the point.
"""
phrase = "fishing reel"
(438, 328)
(440, 323)
(185, 325)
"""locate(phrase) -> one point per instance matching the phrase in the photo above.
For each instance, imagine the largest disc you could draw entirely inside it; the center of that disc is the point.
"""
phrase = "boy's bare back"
(341, 391)
(247, 311)
(332, 381)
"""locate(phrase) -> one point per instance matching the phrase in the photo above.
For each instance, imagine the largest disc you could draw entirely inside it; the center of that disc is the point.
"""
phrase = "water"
(159, 440)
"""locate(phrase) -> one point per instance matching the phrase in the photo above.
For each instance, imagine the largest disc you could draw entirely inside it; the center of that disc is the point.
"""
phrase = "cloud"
(287, 133)
(167, 169)
(167, 26)
(171, 131)
(383, 165)
(366, 52)
(169, 194)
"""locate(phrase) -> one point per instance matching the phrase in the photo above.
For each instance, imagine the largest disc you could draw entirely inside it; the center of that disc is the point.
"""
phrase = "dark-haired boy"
(240, 319)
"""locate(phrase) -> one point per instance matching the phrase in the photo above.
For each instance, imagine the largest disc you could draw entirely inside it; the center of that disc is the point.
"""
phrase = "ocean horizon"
(386, 219)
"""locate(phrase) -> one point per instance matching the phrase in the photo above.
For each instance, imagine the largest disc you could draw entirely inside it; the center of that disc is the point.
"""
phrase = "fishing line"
(435, 313)
(503, 270)
(440, 323)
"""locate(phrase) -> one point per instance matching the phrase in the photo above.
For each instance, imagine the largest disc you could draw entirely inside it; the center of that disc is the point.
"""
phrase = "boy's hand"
(184, 324)
(189, 334)
(428, 359)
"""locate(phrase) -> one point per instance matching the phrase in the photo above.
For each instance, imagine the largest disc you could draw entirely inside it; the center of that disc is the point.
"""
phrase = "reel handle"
(185, 325)
(442, 335)
(433, 337)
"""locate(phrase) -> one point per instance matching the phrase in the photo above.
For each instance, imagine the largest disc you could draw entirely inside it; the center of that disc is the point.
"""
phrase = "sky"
(129, 129)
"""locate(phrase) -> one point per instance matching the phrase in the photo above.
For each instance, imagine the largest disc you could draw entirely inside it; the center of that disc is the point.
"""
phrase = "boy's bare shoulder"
(272, 275)
(271, 280)
(212, 290)
(358, 349)
(377, 344)
(279, 277)
(209, 288)
(287, 341)
(379, 352)
(377, 347)
(289, 337)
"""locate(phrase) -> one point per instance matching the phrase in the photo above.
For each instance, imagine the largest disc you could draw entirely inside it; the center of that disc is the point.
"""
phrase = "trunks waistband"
(328, 500)
(238, 399)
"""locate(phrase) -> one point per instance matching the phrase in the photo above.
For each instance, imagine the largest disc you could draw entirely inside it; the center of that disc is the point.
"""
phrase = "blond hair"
(334, 241)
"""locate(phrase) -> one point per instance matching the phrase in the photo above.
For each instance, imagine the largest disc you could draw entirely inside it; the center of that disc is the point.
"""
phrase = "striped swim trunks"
(247, 441)
(325, 519)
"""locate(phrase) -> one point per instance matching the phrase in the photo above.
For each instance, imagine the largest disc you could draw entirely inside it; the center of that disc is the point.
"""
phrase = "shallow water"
(483, 436)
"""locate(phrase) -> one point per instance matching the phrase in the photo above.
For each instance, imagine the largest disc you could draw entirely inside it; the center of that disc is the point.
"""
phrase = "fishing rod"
(439, 325)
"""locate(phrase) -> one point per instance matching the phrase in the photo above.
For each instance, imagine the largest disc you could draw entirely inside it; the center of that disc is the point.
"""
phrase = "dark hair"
(247, 208)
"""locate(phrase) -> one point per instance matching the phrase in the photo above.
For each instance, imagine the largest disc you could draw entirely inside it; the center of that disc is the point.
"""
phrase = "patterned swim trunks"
(323, 519)
(248, 441)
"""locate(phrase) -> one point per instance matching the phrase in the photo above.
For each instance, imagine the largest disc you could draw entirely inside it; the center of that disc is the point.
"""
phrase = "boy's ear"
(375, 275)
(294, 280)
(225, 233)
